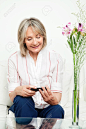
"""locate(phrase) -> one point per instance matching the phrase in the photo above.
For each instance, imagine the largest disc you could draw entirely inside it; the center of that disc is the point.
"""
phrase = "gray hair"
(37, 26)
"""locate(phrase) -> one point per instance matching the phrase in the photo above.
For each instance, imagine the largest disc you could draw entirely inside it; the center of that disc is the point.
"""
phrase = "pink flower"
(66, 30)
(81, 28)
(69, 23)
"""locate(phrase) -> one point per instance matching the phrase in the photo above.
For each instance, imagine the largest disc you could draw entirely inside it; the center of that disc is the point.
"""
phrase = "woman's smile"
(35, 46)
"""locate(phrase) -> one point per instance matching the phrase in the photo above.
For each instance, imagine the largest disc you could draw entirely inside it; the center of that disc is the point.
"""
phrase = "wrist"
(54, 100)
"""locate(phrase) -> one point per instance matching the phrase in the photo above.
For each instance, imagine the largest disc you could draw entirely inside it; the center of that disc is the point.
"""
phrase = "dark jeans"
(25, 107)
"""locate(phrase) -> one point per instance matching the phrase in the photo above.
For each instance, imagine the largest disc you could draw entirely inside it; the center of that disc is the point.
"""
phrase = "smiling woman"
(30, 29)
(34, 75)
(33, 42)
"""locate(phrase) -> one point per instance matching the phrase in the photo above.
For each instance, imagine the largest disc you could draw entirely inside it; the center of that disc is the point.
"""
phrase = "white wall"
(52, 13)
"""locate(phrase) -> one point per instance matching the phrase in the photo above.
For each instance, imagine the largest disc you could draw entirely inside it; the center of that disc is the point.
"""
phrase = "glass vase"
(75, 108)
(75, 98)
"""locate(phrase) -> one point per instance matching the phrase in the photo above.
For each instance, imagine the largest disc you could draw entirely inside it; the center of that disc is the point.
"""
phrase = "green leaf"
(71, 45)
(74, 41)
(79, 45)
(78, 35)
(69, 42)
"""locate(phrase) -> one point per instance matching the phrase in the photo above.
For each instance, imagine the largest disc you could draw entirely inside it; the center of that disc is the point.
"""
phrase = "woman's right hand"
(25, 90)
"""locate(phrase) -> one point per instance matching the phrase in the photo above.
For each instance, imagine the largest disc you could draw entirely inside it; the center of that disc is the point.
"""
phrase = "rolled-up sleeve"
(12, 74)
(56, 84)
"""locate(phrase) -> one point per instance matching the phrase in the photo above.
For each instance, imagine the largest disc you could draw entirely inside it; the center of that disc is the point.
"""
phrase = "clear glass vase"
(75, 98)
(75, 108)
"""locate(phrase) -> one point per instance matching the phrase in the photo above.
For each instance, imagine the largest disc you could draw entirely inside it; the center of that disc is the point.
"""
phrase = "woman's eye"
(28, 39)
(38, 37)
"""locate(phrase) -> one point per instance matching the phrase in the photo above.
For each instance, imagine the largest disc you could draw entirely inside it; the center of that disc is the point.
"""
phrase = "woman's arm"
(12, 95)
(24, 91)
(56, 98)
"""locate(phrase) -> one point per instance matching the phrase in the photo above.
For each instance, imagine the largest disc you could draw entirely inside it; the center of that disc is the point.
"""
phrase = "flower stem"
(75, 85)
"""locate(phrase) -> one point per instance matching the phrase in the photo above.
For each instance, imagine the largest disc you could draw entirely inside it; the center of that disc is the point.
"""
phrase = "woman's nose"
(34, 41)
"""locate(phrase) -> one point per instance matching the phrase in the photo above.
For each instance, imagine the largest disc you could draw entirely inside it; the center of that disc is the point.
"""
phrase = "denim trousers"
(24, 107)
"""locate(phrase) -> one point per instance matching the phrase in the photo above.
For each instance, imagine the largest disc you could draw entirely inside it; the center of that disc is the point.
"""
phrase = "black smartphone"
(37, 89)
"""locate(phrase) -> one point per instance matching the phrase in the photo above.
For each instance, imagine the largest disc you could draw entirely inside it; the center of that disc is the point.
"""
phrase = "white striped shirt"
(48, 71)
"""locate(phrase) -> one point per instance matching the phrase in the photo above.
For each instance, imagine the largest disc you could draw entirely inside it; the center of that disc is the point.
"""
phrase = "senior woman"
(35, 67)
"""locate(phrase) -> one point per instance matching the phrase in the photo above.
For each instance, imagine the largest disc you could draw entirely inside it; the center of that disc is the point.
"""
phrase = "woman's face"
(34, 42)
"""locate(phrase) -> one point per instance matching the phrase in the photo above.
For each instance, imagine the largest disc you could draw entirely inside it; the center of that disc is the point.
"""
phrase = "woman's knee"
(23, 121)
(24, 107)
(55, 111)
(19, 98)
(59, 111)
(20, 101)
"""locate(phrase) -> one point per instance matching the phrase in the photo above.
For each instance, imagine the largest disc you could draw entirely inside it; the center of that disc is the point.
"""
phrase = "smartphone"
(37, 89)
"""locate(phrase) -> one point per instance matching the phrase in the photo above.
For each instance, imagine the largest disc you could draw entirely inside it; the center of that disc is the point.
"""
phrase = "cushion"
(4, 95)
(3, 111)
(2, 116)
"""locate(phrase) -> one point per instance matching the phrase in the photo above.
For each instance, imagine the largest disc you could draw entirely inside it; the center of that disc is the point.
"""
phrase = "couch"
(67, 90)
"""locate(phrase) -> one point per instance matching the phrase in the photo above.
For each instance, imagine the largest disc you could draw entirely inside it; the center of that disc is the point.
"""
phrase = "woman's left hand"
(47, 94)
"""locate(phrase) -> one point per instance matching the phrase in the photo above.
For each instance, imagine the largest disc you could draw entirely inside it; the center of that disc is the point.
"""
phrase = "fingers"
(48, 90)
(30, 92)
(46, 93)
(42, 93)
(30, 86)
(28, 89)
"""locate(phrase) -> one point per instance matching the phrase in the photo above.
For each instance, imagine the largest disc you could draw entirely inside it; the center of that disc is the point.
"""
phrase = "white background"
(52, 13)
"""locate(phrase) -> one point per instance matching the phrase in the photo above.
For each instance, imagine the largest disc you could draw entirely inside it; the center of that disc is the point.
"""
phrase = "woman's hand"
(25, 90)
(52, 98)
(47, 94)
